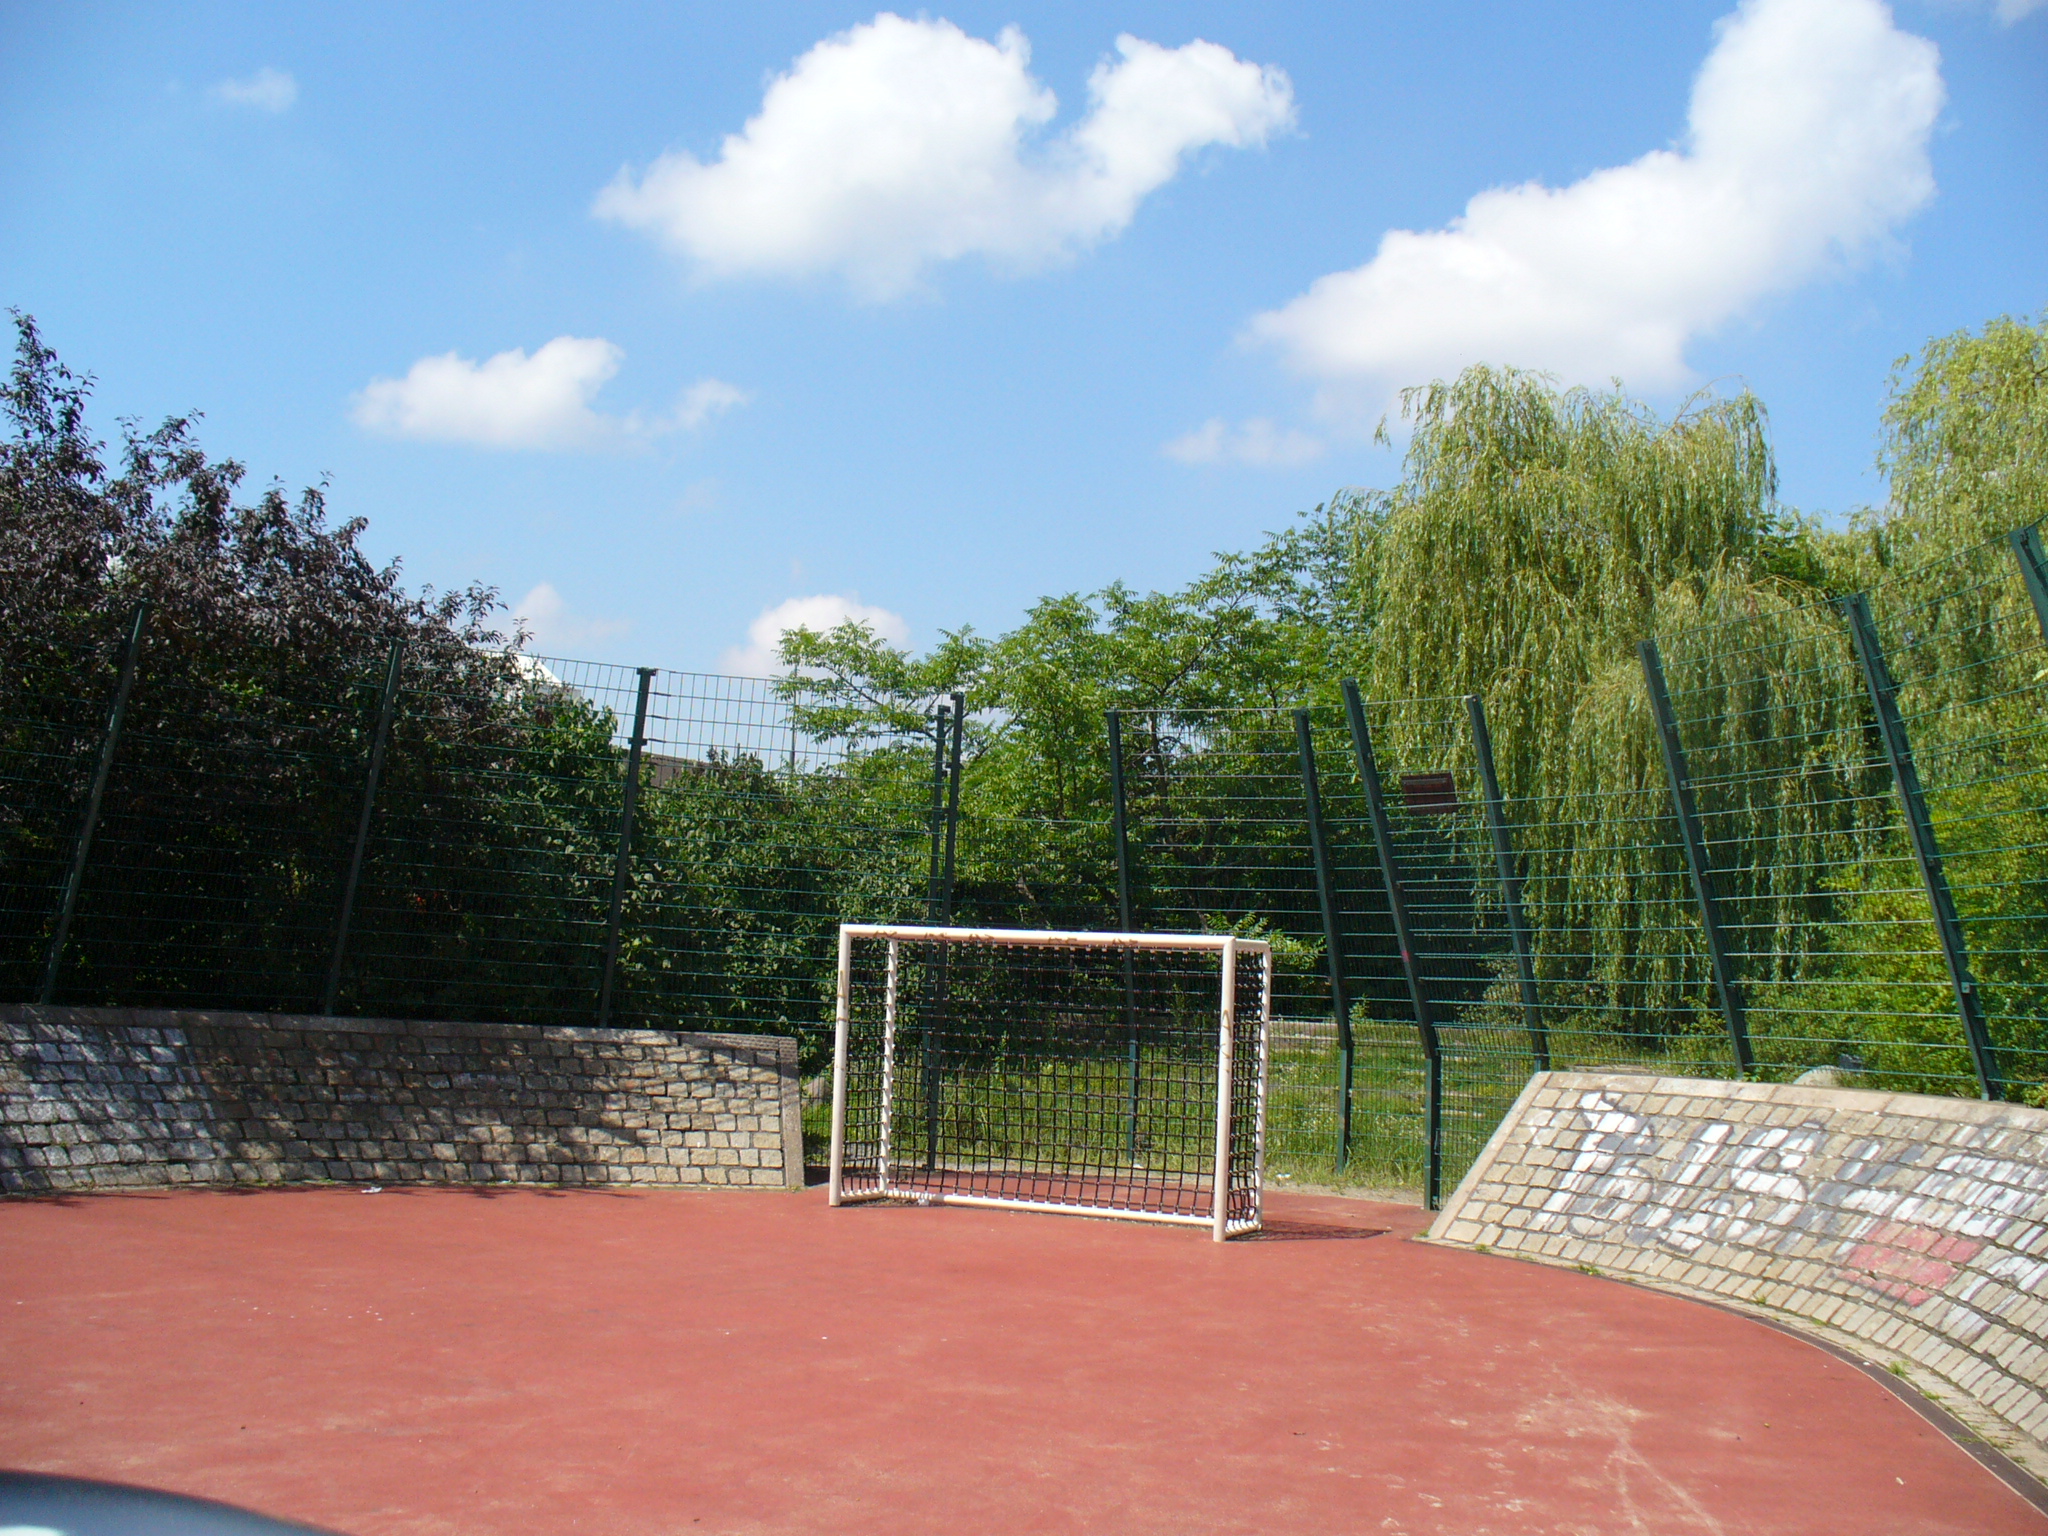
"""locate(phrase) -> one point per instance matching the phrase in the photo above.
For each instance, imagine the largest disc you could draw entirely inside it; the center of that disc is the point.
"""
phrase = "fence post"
(1333, 942)
(2026, 548)
(621, 862)
(1683, 806)
(1118, 826)
(1510, 883)
(74, 880)
(937, 1029)
(932, 914)
(938, 817)
(1411, 968)
(331, 993)
(939, 904)
(1119, 830)
(952, 808)
(1948, 925)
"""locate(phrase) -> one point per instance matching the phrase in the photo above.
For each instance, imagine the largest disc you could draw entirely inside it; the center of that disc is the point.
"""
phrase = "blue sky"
(677, 323)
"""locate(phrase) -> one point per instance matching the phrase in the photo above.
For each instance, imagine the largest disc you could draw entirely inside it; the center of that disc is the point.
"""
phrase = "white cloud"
(508, 401)
(900, 143)
(1257, 441)
(2010, 11)
(515, 401)
(826, 611)
(706, 400)
(268, 90)
(1806, 146)
(555, 628)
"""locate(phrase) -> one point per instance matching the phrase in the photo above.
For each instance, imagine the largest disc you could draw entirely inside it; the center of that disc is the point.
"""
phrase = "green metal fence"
(459, 851)
(1822, 848)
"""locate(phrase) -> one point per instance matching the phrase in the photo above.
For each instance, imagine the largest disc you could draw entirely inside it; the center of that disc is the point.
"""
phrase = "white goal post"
(1104, 1074)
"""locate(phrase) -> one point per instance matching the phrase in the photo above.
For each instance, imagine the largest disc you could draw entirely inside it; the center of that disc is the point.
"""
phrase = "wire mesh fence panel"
(491, 878)
(1217, 844)
(1220, 841)
(1390, 1089)
(58, 700)
(226, 824)
(748, 843)
(751, 845)
(1388, 1136)
(1808, 794)
(992, 1066)
(1035, 872)
(1467, 979)
(486, 886)
(1218, 838)
(1622, 979)
(1964, 643)
(1813, 879)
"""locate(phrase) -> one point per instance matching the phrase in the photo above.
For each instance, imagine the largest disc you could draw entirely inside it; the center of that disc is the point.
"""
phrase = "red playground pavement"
(467, 1362)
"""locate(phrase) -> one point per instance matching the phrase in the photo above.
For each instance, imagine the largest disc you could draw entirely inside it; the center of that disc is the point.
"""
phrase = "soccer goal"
(1105, 1074)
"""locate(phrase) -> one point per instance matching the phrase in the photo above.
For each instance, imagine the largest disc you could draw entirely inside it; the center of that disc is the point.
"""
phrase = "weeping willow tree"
(1535, 535)
(1539, 536)
(1796, 804)
(1965, 442)
(1965, 448)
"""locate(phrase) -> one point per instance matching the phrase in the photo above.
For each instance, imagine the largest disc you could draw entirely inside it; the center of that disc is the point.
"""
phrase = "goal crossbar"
(1045, 938)
(1045, 1070)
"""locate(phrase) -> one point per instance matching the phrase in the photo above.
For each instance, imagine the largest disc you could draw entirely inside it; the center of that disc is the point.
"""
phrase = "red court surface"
(467, 1362)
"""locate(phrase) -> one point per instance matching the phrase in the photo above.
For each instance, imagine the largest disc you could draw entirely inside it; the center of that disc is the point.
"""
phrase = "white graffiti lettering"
(1602, 1182)
(1905, 1222)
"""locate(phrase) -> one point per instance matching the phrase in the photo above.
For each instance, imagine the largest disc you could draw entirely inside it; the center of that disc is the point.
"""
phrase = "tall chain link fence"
(1817, 843)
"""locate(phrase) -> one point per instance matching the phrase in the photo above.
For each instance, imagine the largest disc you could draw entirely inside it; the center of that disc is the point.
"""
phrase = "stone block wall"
(115, 1098)
(1914, 1229)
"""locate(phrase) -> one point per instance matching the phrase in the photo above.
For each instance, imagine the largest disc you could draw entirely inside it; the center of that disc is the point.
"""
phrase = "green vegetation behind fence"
(1863, 784)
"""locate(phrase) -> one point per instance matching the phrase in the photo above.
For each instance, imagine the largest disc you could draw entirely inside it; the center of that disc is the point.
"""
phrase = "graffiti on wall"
(1902, 1217)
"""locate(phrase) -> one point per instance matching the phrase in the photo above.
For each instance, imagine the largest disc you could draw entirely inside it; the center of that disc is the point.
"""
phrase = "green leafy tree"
(1965, 442)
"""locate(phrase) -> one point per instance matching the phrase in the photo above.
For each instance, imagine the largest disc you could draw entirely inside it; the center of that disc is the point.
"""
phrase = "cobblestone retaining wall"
(113, 1098)
(1915, 1228)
